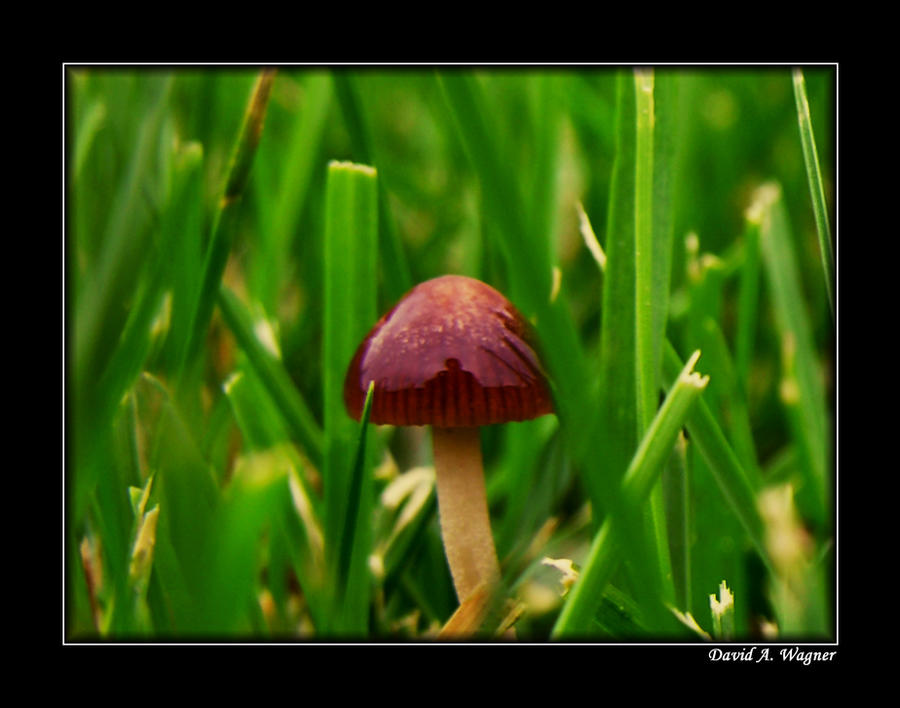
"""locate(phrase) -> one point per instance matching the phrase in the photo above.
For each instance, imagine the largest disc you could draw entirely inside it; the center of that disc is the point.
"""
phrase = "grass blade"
(645, 365)
(802, 389)
(351, 243)
(627, 371)
(816, 188)
(655, 98)
(617, 375)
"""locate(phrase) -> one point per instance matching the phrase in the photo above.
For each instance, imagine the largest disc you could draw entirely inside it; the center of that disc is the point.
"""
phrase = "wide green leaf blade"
(351, 243)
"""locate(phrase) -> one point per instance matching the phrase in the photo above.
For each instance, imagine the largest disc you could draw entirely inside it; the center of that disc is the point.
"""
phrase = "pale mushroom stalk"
(463, 509)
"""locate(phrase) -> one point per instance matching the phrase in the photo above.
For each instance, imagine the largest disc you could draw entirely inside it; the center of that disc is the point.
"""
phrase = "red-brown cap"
(454, 353)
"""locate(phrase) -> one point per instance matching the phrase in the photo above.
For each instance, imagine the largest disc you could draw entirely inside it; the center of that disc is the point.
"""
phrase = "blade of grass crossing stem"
(356, 514)
(802, 389)
(268, 367)
(816, 188)
(225, 218)
(642, 474)
(350, 250)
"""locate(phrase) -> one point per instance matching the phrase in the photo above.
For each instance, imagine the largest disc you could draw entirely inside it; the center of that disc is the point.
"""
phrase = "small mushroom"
(453, 354)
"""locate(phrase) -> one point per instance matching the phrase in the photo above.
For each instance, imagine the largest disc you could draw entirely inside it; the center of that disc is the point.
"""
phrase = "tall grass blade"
(645, 365)
(655, 119)
(627, 324)
(618, 411)
(802, 387)
(816, 187)
(351, 243)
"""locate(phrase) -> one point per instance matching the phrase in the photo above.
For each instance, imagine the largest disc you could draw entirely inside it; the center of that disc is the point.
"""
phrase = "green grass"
(233, 234)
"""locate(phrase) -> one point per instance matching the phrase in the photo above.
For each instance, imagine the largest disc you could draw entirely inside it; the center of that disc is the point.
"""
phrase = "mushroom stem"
(463, 509)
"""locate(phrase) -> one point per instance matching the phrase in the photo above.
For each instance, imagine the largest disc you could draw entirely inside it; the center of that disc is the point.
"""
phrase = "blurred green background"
(195, 502)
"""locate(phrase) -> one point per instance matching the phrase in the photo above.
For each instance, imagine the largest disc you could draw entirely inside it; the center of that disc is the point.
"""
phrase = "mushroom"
(453, 354)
